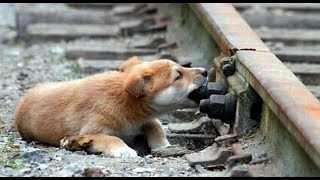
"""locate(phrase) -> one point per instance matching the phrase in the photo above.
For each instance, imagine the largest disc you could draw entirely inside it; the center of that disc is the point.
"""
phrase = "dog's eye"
(179, 76)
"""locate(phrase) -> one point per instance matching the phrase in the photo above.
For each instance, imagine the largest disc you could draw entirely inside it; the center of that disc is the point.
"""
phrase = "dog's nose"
(204, 73)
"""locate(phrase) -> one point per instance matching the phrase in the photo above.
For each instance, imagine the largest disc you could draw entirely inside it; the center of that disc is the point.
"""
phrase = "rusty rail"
(296, 107)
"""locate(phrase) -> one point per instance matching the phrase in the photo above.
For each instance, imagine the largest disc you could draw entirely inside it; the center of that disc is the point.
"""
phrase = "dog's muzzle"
(197, 94)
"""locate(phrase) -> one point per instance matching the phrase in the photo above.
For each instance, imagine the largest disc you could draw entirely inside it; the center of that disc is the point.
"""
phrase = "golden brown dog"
(109, 108)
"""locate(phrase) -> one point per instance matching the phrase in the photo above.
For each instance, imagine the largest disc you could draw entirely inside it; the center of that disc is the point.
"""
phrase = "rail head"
(229, 30)
(291, 101)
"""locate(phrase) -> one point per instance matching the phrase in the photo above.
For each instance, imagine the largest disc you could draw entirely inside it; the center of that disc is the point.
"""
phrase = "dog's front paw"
(75, 143)
(123, 152)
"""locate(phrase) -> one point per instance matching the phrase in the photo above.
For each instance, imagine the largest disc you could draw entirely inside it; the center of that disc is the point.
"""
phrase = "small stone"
(63, 173)
(57, 50)
(57, 158)
(239, 171)
(199, 169)
(142, 162)
(148, 156)
(26, 170)
(93, 172)
(81, 152)
(106, 171)
(34, 156)
(76, 168)
(43, 166)
(14, 52)
(20, 64)
(145, 174)
(188, 168)
(143, 170)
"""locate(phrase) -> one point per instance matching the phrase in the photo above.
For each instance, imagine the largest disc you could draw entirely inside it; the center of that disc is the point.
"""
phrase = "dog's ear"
(130, 63)
(136, 84)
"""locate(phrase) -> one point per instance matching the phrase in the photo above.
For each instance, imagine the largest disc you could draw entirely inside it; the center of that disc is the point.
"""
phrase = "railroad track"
(291, 32)
(276, 76)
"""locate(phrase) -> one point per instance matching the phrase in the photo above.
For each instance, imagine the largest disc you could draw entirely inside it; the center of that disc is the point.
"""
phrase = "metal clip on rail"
(215, 101)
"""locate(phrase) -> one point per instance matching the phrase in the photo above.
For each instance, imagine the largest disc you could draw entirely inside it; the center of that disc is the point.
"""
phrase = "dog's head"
(163, 84)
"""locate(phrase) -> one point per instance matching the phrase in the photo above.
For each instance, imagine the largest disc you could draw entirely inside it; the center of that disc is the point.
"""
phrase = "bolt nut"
(216, 88)
(220, 107)
(204, 92)
(228, 69)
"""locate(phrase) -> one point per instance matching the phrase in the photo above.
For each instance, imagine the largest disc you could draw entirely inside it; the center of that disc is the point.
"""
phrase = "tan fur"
(109, 104)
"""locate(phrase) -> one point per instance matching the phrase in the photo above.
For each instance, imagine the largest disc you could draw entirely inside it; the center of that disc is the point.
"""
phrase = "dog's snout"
(201, 71)
(204, 73)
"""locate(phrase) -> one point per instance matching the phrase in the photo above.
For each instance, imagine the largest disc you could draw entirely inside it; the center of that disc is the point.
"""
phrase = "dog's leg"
(98, 143)
(155, 134)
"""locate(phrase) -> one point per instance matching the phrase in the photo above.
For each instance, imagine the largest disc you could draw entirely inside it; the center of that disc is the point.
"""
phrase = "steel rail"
(289, 99)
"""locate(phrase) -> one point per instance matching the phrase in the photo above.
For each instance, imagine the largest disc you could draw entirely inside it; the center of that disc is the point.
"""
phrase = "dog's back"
(36, 120)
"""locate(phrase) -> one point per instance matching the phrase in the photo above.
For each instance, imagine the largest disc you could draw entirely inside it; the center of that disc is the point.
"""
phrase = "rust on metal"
(212, 155)
(284, 93)
(288, 98)
(193, 126)
(228, 28)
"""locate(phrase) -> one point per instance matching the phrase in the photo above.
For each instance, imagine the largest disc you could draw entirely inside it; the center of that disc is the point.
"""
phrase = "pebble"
(14, 53)
(26, 170)
(142, 162)
(20, 64)
(199, 169)
(81, 152)
(76, 167)
(34, 156)
(62, 173)
(57, 50)
(93, 172)
(142, 170)
(57, 158)
(43, 166)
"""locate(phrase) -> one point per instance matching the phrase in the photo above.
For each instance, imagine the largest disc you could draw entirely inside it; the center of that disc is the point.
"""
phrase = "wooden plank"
(7, 15)
(315, 90)
(73, 16)
(288, 35)
(58, 32)
(71, 30)
(286, 6)
(297, 21)
(93, 5)
(307, 73)
(303, 68)
(287, 55)
(92, 66)
(74, 52)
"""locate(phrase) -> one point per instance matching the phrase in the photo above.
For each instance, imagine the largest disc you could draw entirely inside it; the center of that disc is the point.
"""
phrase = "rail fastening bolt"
(221, 107)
